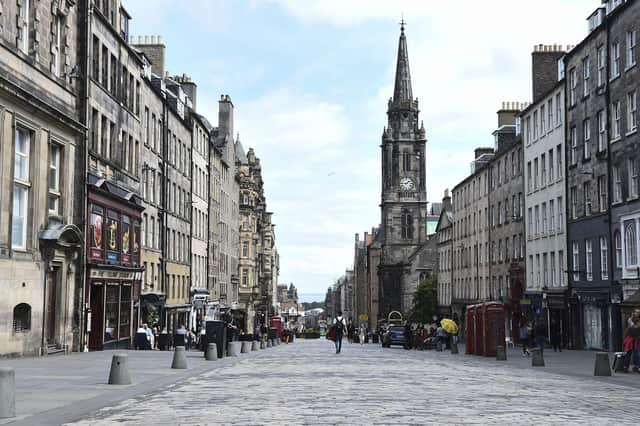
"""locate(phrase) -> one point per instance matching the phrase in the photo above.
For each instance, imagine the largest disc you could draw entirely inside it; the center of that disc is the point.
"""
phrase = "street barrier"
(246, 347)
(7, 392)
(501, 353)
(233, 349)
(211, 353)
(179, 358)
(255, 345)
(601, 367)
(537, 360)
(119, 372)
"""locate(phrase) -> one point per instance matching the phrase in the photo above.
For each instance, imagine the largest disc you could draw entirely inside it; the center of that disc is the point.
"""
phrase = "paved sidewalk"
(570, 363)
(68, 387)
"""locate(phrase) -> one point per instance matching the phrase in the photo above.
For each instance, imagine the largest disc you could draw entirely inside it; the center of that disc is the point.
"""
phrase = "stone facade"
(470, 239)
(40, 138)
(444, 235)
(545, 196)
(587, 113)
(506, 213)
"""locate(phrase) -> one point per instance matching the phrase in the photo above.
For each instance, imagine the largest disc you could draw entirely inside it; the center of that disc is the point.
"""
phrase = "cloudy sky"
(310, 81)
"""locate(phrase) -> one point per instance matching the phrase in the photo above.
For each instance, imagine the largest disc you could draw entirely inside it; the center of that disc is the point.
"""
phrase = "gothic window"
(407, 226)
(630, 244)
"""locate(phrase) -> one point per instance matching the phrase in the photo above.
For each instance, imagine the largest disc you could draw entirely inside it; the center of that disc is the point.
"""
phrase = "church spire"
(402, 89)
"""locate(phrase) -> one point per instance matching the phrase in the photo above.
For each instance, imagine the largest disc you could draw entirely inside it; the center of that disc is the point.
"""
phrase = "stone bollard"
(454, 348)
(601, 367)
(269, 343)
(255, 345)
(179, 358)
(119, 373)
(501, 353)
(263, 345)
(537, 360)
(211, 354)
(278, 341)
(439, 346)
(7, 392)
(245, 348)
(233, 348)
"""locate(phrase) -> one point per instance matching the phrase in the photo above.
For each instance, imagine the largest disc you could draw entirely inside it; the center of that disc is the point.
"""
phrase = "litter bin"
(216, 332)
(375, 338)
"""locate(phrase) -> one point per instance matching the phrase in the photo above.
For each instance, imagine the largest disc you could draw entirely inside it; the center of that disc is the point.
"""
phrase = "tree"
(425, 300)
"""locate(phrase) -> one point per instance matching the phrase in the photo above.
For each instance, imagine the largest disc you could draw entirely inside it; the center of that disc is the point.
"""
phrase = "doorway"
(51, 302)
(592, 327)
(97, 315)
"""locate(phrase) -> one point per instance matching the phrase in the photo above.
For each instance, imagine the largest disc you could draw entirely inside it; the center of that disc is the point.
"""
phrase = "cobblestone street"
(307, 383)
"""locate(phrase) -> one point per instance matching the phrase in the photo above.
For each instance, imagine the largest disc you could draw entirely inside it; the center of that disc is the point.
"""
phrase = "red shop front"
(113, 268)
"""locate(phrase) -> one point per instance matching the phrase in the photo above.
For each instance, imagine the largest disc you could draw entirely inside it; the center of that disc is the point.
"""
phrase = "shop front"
(591, 314)
(113, 268)
(557, 315)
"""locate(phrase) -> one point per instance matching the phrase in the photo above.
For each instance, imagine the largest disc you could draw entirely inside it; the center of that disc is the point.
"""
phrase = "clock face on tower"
(406, 184)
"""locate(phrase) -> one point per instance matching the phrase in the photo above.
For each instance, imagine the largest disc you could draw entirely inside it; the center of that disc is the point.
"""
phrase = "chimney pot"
(159, 39)
(146, 39)
(139, 39)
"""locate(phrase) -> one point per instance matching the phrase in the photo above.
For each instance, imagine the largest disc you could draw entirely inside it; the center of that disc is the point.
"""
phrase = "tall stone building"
(112, 220)
(360, 277)
(373, 286)
(624, 253)
(404, 196)
(444, 234)
(41, 147)
(252, 207)
(545, 194)
(506, 213)
(226, 224)
(602, 175)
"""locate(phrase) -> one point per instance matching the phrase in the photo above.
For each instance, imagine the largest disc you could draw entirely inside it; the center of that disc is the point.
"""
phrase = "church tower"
(404, 194)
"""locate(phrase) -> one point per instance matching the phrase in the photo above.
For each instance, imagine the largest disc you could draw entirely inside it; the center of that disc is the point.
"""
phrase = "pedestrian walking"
(361, 335)
(524, 338)
(341, 327)
(554, 338)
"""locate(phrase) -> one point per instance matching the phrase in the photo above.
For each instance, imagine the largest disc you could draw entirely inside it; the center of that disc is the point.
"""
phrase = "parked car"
(394, 336)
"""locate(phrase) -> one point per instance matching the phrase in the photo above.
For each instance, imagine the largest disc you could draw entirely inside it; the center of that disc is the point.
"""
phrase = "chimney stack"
(544, 68)
(153, 49)
(225, 115)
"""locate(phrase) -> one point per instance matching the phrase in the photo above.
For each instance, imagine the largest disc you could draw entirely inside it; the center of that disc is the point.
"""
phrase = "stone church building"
(407, 252)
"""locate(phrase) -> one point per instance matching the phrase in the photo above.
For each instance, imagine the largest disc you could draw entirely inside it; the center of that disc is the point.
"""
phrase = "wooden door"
(50, 306)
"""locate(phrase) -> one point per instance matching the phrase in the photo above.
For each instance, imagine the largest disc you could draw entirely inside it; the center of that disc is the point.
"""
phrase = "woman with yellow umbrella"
(450, 327)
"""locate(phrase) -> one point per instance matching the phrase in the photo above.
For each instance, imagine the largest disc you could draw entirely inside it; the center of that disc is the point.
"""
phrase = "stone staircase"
(54, 349)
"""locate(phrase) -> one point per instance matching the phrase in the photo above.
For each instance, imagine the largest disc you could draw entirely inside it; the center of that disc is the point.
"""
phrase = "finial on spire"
(402, 23)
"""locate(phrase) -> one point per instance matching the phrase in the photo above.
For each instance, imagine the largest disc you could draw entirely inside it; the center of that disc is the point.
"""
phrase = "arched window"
(407, 226)
(618, 243)
(630, 244)
(21, 318)
(406, 161)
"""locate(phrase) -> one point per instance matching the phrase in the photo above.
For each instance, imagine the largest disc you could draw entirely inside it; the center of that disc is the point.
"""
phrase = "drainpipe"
(82, 270)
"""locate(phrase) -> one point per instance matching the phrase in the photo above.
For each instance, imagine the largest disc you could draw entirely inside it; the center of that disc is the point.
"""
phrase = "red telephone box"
(276, 322)
(470, 329)
(493, 327)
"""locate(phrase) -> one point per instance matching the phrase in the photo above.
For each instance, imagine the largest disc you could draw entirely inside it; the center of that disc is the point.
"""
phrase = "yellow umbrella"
(449, 326)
